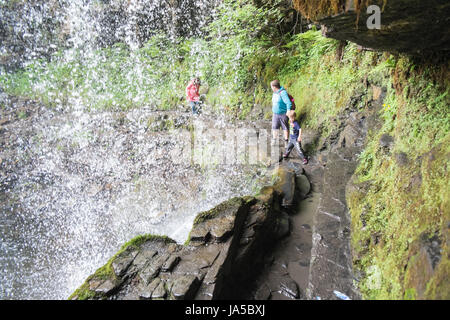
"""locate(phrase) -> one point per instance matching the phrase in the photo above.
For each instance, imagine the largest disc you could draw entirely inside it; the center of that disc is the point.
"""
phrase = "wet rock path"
(314, 261)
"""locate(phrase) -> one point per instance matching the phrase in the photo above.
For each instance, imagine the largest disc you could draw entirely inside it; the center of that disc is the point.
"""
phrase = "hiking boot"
(305, 161)
(285, 155)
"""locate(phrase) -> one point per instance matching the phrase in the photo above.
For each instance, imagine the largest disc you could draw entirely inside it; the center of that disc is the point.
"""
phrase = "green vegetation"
(233, 204)
(407, 200)
(242, 53)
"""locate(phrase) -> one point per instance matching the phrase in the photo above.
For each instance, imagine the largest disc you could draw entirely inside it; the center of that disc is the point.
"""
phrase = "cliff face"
(414, 27)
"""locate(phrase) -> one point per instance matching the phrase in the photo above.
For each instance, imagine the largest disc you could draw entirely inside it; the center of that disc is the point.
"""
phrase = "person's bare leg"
(286, 134)
(275, 134)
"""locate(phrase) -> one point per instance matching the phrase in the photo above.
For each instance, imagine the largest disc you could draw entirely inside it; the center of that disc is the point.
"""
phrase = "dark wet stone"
(282, 228)
(170, 263)
(310, 138)
(289, 288)
(185, 287)
(417, 30)
(401, 159)
(386, 141)
(322, 158)
(269, 260)
(106, 287)
(302, 186)
(303, 248)
(153, 268)
(349, 137)
(218, 222)
(210, 269)
(286, 185)
(160, 291)
(143, 257)
(94, 283)
(262, 293)
(327, 224)
(122, 262)
(201, 258)
(199, 235)
(146, 292)
(205, 292)
(222, 228)
(433, 248)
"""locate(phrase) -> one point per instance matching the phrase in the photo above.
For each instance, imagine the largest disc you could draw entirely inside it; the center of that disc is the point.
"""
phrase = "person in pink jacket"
(193, 96)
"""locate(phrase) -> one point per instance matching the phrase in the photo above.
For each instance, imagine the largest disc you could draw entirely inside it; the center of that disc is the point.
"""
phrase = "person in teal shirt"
(280, 105)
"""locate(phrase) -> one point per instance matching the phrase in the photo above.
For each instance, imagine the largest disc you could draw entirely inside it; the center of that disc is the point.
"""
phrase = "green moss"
(214, 212)
(438, 288)
(83, 293)
(410, 294)
(405, 200)
(106, 272)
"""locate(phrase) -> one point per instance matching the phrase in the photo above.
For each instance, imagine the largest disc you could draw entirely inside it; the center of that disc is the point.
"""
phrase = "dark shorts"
(280, 120)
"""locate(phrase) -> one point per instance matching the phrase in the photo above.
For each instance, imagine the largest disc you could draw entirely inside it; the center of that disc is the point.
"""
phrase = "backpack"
(292, 100)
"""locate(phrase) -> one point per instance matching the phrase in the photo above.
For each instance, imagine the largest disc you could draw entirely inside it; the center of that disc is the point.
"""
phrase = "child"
(193, 95)
(295, 137)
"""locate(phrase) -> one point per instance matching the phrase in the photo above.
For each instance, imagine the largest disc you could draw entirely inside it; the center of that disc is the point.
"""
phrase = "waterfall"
(75, 183)
(33, 29)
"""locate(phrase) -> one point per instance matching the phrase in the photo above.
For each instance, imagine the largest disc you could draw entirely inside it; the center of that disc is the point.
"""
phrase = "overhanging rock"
(409, 26)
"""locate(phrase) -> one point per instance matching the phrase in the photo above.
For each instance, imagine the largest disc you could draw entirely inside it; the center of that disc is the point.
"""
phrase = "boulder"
(285, 185)
(302, 185)
(217, 223)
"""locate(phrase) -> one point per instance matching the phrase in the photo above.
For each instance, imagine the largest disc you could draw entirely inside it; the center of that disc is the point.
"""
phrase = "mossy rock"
(285, 185)
(106, 276)
(224, 207)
